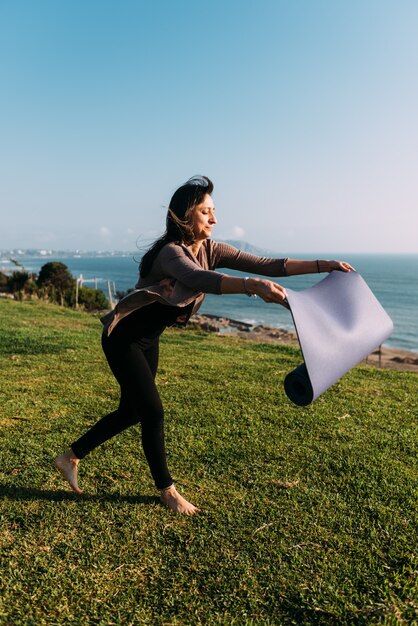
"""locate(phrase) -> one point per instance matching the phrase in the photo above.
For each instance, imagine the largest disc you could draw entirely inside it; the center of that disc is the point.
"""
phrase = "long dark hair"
(178, 229)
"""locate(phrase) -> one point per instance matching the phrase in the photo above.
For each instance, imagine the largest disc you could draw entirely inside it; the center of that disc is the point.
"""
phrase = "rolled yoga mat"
(338, 323)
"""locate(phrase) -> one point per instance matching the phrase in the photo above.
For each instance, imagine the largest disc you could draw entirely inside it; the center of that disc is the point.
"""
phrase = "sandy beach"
(388, 358)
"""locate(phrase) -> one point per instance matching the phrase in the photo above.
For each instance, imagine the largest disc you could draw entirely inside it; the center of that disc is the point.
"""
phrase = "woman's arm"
(173, 262)
(224, 255)
(272, 292)
(295, 267)
(267, 290)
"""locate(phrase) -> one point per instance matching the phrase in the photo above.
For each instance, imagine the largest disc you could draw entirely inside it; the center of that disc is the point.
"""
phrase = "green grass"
(309, 514)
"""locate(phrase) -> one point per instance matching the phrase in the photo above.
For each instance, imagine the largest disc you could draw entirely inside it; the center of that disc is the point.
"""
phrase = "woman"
(175, 274)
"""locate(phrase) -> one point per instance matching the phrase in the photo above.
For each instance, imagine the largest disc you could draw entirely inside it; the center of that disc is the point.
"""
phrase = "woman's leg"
(170, 497)
(135, 369)
(139, 402)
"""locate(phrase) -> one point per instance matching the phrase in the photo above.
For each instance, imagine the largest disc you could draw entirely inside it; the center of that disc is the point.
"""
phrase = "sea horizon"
(38, 252)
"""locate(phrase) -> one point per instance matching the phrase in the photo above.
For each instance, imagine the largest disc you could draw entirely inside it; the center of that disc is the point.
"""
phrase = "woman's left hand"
(341, 266)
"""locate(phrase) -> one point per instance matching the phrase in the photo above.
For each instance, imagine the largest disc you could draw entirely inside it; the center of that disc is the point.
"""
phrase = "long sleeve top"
(178, 278)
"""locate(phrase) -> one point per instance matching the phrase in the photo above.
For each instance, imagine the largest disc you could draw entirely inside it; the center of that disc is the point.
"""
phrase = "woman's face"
(202, 218)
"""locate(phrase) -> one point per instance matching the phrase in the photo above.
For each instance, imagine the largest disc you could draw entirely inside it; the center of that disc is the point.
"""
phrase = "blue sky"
(303, 113)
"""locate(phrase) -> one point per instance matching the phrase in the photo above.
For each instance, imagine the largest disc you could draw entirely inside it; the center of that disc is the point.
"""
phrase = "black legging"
(134, 364)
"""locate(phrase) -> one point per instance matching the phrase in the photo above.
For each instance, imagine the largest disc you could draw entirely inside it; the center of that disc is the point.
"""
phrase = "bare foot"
(174, 501)
(67, 464)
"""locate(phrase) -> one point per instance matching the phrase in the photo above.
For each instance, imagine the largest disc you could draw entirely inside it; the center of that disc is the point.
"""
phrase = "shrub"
(17, 281)
(57, 279)
(4, 279)
(121, 294)
(88, 298)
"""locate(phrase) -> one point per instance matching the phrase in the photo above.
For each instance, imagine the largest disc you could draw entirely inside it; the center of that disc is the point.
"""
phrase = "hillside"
(309, 516)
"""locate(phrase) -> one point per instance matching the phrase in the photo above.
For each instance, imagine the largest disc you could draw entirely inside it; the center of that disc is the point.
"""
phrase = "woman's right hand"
(267, 290)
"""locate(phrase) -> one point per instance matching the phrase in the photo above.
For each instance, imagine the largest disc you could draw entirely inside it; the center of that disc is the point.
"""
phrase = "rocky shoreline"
(388, 358)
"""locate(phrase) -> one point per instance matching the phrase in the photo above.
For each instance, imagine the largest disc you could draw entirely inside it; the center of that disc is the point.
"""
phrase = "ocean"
(392, 278)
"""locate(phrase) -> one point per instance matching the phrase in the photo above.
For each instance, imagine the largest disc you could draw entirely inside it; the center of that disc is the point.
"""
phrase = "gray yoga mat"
(338, 322)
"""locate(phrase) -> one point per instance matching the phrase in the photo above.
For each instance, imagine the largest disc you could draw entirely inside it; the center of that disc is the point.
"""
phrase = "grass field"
(309, 514)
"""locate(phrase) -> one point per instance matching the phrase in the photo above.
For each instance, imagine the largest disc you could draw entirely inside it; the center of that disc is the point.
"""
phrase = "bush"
(17, 281)
(56, 284)
(4, 279)
(31, 287)
(56, 274)
(56, 280)
(121, 294)
(56, 277)
(88, 298)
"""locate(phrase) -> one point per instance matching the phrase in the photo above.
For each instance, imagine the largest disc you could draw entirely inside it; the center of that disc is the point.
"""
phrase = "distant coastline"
(38, 253)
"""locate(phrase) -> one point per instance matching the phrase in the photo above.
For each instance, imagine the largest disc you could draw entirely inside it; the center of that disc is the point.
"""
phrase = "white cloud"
(238, 231)
(104, 232)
